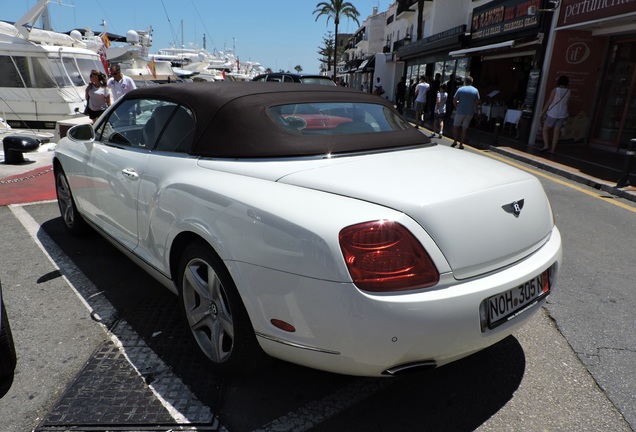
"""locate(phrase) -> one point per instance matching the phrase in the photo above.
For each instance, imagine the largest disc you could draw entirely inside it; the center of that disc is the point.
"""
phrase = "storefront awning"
(510, 44)
(367, 65)
(468, 51)
(352, 66)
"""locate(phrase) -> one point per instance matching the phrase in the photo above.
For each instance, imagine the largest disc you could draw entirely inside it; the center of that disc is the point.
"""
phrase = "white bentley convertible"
(312, 224)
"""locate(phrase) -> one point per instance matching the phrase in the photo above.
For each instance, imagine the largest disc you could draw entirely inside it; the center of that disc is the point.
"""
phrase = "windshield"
(336, 118)
(317, 80)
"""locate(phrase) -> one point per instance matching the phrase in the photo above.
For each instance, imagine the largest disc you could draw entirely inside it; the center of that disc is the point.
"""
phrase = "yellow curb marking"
(557, 180)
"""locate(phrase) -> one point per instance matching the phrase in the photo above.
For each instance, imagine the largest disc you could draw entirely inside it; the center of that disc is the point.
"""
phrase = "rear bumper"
(342, 329)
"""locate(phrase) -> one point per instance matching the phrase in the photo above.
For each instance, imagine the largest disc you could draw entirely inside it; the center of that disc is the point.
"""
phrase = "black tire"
(73, 221)
(215, 313)
(8, 357)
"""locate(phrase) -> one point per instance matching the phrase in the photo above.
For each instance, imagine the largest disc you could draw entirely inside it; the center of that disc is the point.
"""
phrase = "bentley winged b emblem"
(513, 208)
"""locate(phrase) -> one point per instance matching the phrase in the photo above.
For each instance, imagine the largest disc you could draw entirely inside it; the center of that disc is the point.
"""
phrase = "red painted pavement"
(31, 186)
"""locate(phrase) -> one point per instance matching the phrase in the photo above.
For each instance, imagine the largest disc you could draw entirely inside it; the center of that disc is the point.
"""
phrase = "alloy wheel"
(207, 310)
(73, 221)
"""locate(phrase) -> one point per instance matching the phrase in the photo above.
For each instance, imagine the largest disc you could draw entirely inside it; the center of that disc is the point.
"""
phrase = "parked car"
(297, 78)
(7, 349)
(312, 224)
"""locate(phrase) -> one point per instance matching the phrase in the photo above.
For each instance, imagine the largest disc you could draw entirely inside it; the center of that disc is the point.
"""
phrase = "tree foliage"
(335, 10)
(326, 51)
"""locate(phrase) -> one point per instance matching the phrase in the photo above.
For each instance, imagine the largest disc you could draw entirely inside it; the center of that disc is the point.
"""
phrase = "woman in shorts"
(97, 95)
(556, 112)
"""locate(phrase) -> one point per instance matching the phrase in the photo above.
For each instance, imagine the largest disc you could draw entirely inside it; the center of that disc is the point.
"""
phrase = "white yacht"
(131, 54)
(44, 73)
(216, 66)
(191, 63)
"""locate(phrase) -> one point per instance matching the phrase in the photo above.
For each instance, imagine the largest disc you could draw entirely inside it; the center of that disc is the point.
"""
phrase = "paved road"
(533, 381)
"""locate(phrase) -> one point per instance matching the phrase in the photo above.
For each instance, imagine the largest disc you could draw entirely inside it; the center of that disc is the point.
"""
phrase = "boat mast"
(29, 19)
(46, 20)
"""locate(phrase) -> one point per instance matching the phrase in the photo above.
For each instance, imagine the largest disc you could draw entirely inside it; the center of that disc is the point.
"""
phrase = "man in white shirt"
(379, 90)
(118, 83)
(420, 100)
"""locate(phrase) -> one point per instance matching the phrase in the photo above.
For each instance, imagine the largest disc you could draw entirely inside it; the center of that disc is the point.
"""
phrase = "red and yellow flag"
(153, 68)
(105, 40)
(103, 58)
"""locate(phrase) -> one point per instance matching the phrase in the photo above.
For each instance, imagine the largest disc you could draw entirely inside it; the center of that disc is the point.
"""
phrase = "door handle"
(130, 173)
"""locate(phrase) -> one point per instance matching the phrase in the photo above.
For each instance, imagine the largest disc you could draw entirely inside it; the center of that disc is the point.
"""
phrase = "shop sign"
(579, 11)
(455, 31)
(504, 18)
(531, 89)
(434, 42)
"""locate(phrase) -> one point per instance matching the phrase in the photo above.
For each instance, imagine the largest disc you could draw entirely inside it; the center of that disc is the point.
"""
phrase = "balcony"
(399, 44)
(406, 7)
(360, 36)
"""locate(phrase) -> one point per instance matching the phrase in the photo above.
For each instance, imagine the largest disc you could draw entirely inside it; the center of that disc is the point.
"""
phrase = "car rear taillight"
(384, 256)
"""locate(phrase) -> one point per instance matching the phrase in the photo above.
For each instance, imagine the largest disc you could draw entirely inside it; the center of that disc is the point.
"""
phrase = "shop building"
(500, 43)
(505, 52)
(516, 50)
(362, 47)
(430, 56)
(594, 44)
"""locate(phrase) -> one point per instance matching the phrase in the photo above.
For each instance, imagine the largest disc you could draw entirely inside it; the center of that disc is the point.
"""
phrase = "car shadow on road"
(457, 397)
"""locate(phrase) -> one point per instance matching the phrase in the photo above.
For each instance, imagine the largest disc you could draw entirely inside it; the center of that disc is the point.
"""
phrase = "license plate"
(503, 307)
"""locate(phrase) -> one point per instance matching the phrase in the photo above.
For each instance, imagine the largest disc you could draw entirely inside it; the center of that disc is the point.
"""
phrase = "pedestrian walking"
(400, 95)
(410, 103)
(421, 89)
(555, 112)
(466, 102)
(439, 113)
(379, 90)
(97, 95)
(432, 94)
(118, 83)
(451, 86)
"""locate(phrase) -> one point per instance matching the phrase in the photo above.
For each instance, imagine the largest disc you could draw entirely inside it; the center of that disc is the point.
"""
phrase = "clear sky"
(279, 34)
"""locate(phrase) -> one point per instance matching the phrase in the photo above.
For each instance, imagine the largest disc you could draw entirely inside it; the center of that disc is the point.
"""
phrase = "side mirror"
(82, 132)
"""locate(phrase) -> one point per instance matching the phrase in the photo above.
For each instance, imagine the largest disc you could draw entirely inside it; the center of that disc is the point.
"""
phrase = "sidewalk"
(30, 181)
(596, 168)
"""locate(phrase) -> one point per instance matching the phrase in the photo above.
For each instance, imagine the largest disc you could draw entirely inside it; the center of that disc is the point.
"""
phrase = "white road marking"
(142, 358)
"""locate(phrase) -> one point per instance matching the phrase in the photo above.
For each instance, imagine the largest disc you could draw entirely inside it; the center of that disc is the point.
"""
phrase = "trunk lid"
(482, 214)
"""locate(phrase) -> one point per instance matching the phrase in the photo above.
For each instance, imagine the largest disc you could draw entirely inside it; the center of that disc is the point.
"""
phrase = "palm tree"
(334, 9)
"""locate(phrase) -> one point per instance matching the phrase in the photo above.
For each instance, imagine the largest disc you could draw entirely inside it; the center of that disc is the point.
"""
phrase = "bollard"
(631, 150)
(15, 145)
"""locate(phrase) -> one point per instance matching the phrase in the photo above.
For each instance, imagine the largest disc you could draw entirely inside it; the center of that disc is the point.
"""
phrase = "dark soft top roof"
(232, 121)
